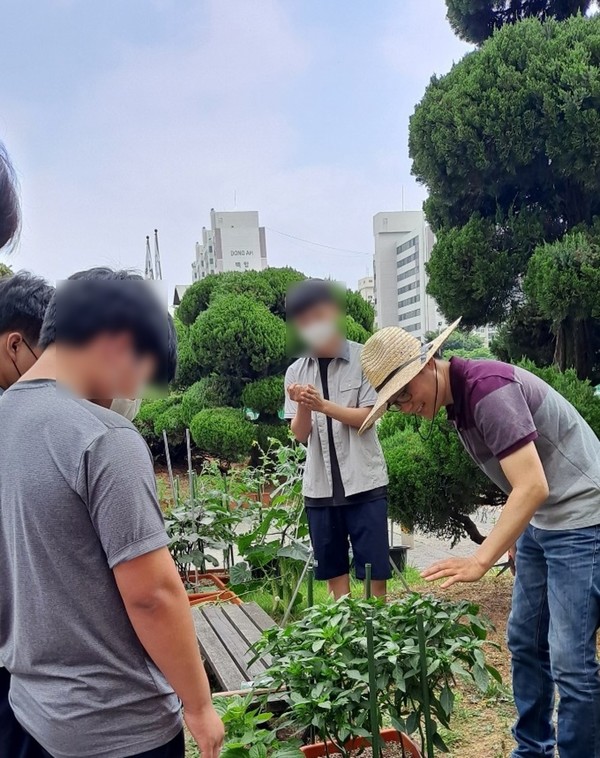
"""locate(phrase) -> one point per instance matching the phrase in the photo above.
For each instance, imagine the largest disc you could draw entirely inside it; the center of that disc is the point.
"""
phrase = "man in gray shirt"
(95, 625)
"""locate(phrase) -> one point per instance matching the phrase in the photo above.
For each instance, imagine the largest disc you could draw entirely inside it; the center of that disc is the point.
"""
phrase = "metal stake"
(426, 705)
(367, 580)
(375, 736)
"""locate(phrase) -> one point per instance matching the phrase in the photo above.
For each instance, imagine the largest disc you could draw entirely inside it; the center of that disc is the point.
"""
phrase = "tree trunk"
(572, 348)
(470, 528)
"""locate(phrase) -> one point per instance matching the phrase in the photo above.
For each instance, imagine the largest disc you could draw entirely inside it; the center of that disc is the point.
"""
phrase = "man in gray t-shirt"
(94, 621)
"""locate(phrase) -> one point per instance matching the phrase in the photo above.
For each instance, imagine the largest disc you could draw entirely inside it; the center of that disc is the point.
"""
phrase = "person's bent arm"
(526, 475)
(349, 416)
(158, 608)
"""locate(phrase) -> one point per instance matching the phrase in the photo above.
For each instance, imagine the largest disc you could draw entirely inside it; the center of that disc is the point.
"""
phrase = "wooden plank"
(231, 639)
(246, 627)
(217, 657)
(258, 616)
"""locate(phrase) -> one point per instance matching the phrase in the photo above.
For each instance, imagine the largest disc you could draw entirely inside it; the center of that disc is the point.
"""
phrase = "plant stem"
(425, 688)
(372, 685)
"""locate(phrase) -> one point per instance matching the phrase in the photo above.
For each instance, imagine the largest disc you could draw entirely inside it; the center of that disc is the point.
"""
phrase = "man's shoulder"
(296, 368)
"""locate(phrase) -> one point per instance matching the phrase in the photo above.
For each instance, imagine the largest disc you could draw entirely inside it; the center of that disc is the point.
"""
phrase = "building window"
(407, 259)
(408, 287)
(409, 301)
(407, 274)
(412, 327)
(413, 242)
(409, 315)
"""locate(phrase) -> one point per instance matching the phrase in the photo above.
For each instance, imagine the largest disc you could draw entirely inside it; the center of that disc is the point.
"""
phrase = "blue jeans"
(552, 638)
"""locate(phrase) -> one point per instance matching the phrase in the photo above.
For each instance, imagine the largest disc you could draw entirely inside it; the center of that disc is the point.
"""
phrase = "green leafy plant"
(223, 433)
(322, 660)
(246, 732)
(274, 546)
(208, 392)
(266, 396)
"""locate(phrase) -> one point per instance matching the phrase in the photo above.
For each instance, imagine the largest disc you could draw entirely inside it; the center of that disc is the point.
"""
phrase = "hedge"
(223, 433)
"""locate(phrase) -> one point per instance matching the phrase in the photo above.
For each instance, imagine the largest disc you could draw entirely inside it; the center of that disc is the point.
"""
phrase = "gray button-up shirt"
(361, 461)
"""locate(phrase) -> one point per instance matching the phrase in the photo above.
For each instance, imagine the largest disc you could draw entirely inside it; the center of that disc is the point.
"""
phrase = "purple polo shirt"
(499, 408)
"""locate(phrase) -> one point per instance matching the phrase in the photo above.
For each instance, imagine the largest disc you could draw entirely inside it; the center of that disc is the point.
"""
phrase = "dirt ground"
(481, 724)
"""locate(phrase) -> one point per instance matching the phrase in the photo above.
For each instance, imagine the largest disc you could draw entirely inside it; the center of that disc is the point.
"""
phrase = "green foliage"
(355, 332)
(5, 270)
(563, 279)
(462, 344)
(525, 334)
(208, 392)
(239, 338)
(263, 433)
(268, 287)
(223, 433)
(322, 660)
(434, 484)
(266, 396)
(246, 732)
(508, 145)
(579, 393)
(476, 20)
(360, 311)
(171, 421)
(149, 412)
(188, 366)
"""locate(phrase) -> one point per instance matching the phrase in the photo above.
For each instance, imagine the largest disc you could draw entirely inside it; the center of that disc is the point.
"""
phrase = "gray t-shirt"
(77, 497)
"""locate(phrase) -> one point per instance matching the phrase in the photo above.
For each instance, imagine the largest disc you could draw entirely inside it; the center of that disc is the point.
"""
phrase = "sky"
(123, 117)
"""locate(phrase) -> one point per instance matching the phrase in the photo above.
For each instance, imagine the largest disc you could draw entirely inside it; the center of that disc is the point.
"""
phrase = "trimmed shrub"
(280, 432)
(223, 433)
(208, 392)
(171, 420)
(149, 411)
(265, 395)
(355, 331)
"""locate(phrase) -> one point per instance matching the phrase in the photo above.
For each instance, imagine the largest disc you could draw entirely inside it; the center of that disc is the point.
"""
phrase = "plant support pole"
(367, 580)
(310, 580)
(425, 688)
(170, 468)
(372, 687)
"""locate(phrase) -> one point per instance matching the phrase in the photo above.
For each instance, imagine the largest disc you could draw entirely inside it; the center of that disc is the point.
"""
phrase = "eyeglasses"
(400, 399)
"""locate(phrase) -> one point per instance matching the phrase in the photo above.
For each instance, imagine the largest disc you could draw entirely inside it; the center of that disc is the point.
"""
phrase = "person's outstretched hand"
(207, 729)
(455, 570)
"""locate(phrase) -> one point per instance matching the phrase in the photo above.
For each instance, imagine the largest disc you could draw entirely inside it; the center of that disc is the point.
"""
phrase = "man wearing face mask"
(345, 479)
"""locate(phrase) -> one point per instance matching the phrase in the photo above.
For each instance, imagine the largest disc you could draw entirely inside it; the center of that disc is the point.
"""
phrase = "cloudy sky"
(125, 116)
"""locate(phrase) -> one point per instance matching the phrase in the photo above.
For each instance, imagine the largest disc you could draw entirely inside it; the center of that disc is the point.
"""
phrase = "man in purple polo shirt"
(536, 447)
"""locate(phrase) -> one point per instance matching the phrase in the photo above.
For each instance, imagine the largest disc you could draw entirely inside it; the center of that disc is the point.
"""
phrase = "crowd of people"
(96, 637)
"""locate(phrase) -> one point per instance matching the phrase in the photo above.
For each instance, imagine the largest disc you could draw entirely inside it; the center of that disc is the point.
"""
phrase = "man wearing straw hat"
(345, 479)
(536, 447)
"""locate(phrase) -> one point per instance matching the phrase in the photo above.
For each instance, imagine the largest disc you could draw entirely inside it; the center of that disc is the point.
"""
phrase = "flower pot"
(225, 596)
(214, 580)
(320, 749)
(398, 557)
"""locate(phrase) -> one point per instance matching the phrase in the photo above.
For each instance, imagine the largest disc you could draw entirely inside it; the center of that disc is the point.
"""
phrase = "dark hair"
(101, 300)
(10, 212)
(308, 293)
(23, 302)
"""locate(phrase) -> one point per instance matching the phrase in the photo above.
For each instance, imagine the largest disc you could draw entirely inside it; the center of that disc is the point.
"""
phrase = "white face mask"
(319, 334)
(127, 408)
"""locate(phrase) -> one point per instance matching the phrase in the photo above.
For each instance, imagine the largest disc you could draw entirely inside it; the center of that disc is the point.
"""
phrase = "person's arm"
(526, 475)
(311, 399)
(158, 608)
(301, 424)
(299, 416)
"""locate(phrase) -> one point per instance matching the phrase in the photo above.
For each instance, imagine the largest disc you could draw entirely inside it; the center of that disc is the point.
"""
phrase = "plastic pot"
(320, 749)
(225, 596)
(398, 557)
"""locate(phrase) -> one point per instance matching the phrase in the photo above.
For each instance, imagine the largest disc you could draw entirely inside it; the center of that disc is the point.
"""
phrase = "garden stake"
(288, 610)
(367, 580)
(310, 578)
(372, 686)
(426, 704)
(398, 573)
(170, 468)
(189, 457)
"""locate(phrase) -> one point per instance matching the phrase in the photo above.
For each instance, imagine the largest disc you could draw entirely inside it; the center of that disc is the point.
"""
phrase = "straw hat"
(390, 359)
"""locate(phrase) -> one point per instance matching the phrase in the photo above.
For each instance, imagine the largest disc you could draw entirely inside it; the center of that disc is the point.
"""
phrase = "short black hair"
(10, 211)
(23, 302)
(101, 300)
(305, 294)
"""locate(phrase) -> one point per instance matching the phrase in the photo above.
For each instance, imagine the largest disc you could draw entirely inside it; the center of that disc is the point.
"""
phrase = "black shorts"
(364, 526)
(14, 740)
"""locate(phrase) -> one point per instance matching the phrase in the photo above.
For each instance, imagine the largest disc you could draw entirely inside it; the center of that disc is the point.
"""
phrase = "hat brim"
(403, 378)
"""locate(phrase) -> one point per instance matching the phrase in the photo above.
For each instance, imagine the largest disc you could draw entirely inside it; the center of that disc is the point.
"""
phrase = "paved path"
(428, 549)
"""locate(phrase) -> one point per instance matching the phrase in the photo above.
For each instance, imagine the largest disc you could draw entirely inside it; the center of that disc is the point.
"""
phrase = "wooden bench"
(225, 632)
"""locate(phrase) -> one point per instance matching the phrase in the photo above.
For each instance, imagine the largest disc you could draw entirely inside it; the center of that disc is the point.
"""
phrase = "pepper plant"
(322, 660)
(246, 734)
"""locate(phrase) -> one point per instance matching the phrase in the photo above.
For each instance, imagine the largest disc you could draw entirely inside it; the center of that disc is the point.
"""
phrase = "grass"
(264, 597)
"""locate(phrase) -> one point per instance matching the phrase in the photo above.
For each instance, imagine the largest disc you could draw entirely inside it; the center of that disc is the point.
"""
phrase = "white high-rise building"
(234, 242)
(366, 288)
(403, 243)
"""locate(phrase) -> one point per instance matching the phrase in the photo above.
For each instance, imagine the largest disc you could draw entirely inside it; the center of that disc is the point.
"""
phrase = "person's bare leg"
(339, 586)
(378, 587)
